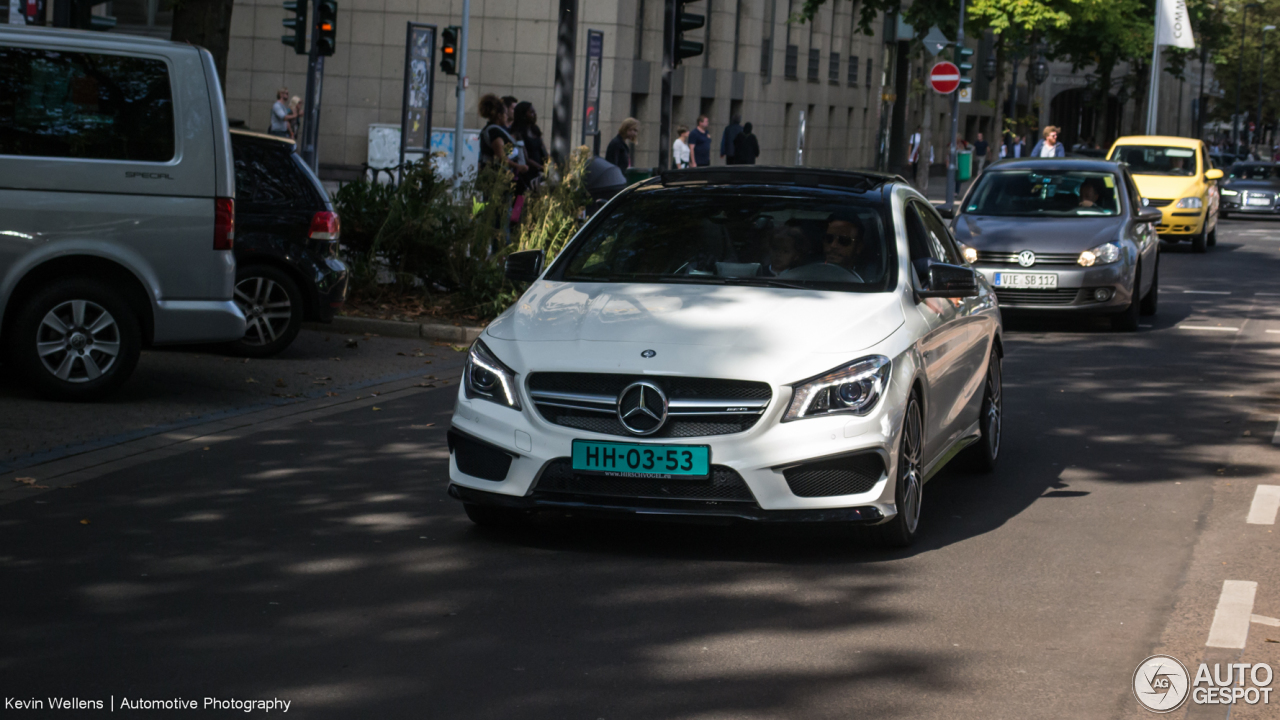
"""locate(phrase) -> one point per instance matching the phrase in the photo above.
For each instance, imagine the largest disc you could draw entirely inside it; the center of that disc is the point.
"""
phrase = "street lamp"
(1262, 60)
(1235, 123)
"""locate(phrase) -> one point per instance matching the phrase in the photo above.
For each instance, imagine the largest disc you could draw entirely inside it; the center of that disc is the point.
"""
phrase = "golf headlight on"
(1192, 202)
(1230, 193)
(854, 389)
(970, 255)
(1104, 254)
(485, 377)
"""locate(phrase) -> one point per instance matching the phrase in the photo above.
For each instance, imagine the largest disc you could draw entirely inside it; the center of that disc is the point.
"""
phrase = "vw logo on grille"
(642, 408)
(648, 353)
(1026, 258)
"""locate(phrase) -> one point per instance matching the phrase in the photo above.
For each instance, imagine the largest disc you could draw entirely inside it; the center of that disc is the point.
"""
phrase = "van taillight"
(324, 226)
(224, 223)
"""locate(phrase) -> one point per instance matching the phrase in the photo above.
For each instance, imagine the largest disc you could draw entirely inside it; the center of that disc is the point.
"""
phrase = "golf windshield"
(1045, 192)
(1155, 160)
(713, 236)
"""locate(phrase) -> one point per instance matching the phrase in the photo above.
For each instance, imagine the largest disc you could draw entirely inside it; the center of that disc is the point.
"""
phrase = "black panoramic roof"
(1086, 164)
(853, 180)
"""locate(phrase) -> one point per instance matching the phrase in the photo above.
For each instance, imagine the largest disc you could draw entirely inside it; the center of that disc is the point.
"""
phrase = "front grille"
(1011, 258)
(698, 407)
(1061, 296)
(724, 485)
(838, 476)
(1153, 202)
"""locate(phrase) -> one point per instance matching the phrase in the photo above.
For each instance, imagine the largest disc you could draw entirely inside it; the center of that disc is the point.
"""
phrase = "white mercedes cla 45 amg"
(760, 344)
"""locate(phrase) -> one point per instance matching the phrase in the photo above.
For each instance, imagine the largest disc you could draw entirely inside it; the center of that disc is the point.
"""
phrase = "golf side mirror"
(524, 266)
(1149, 215)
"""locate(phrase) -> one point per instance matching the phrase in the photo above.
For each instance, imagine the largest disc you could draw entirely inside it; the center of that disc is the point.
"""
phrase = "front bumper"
(1076, 288)
(1236, 206)
(758, 458)
(1180, 222)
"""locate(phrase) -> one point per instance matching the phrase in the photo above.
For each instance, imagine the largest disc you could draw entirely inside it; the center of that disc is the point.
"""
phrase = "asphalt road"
(314, 557)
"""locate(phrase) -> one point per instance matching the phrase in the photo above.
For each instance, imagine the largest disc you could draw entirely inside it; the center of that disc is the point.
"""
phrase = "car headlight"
(485, 377)
(1191, 202)
(1104, 254)
(854, 388)
(970, 255)
(1230, 192)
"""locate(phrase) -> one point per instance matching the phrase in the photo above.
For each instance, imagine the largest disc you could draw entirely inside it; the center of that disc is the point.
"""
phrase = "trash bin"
(964, 165)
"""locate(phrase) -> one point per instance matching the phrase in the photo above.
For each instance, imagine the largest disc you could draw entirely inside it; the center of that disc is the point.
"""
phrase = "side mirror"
(946, 211)
(1149, 215)
(1214, 174)
(947, 281)
(524, 266)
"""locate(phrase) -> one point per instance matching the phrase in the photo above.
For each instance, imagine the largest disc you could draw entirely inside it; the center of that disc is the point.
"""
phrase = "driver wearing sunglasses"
(842, 245)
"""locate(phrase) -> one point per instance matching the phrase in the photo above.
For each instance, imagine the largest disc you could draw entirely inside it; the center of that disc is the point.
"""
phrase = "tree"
(206, 23)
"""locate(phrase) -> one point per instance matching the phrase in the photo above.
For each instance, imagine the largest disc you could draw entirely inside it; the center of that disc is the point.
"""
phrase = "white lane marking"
(1269, 294)
(1206, 292)
(1230, 627)
(1274, 332)
(1265, 505)
(1264, 620)
(1209, 327)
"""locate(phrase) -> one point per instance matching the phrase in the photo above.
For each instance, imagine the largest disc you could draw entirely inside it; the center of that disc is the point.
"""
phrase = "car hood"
(990, 233)
(724, 331)
(1167, 187)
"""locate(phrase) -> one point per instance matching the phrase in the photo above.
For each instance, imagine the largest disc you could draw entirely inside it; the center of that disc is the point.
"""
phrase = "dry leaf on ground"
(30, 482)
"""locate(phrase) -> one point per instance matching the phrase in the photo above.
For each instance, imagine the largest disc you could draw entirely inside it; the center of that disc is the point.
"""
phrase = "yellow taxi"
(1175, 175)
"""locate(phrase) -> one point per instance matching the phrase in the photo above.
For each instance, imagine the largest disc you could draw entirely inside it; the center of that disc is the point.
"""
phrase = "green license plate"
(628, 460)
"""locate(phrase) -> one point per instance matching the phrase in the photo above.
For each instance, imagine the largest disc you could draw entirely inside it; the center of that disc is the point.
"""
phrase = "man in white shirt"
(281, 114)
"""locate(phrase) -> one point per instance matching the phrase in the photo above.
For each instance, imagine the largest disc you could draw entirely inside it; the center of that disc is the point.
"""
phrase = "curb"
(344, 324)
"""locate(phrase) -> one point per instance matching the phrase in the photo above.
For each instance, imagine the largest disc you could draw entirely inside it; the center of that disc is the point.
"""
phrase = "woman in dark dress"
(494, 137)
(526, 130)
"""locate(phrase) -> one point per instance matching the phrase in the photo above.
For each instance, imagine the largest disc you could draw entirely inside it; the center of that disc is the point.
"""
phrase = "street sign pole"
(955, 122)
(315, 79)
(458, 141)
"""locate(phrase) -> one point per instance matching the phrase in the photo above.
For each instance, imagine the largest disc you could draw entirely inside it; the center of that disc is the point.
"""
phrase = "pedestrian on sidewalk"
(495, 138)
(1049, 145)
(913, 152)
(700, 143)
(726, 140)
(281, 114)
(980, 150)
(510, 101)
(680, 148)
(618, 152)
(525, 129)
(745, 147)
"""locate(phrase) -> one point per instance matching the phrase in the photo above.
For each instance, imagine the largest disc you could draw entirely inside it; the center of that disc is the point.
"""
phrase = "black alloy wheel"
(273, 307)
(901, 530)
(983, 455)
(76, 340)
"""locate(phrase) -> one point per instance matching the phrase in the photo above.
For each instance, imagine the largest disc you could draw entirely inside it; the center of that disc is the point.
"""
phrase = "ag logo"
(1026, 258)
(1161, 684)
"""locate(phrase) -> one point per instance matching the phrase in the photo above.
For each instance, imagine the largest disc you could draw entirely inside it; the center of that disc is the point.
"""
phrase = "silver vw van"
(116, 205)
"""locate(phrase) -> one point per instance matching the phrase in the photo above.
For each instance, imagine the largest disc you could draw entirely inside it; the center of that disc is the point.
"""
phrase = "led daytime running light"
(480, 357)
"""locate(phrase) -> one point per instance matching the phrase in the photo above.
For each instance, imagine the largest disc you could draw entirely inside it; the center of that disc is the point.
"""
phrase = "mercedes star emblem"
(648, 353)
(642, 408)
(1026, 258)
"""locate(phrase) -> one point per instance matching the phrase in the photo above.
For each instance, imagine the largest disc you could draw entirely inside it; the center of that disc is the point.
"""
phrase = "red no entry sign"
(945, 77)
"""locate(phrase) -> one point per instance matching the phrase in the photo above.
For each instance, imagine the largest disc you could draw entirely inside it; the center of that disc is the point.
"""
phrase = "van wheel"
(76, 340)
(272, 306)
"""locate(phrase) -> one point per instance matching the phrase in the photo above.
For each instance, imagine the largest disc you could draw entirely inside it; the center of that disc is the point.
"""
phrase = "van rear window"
(85, 105)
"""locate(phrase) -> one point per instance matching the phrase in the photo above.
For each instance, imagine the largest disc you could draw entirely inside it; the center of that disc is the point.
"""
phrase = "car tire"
(1223, 216)
(273, 307)
(494, 517)
(983, 455)
(1213, 236)
(1127, 320)
(903, 528)
(76, 340)
(1199, 243)
(1151, 300)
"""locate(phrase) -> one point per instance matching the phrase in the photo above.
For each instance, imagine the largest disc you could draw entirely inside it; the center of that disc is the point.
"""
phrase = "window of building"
(84, 105)
(766, 42)
(815, 61)
(833, 69)
(791, 70)
(868, 73)
(853, 71)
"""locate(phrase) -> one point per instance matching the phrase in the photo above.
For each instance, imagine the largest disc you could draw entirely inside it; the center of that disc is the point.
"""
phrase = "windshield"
(725, 237)
(1056, 193)
(1152, 160)
(1253, 172)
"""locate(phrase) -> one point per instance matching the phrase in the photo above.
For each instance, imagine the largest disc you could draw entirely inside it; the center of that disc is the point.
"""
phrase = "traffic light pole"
(458, 141)
(955, 120)
(668, 67)
(310, 151)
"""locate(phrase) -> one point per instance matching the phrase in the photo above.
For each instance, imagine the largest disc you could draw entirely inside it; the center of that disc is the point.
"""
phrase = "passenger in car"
(786, 250)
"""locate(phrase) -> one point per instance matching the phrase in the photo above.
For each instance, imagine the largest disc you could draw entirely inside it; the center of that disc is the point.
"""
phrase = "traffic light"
(685, 22)
(449, 50)
(298, 24)
(964, 61)
(326, 27)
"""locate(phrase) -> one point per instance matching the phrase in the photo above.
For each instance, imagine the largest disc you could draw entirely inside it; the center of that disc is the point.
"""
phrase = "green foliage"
(554, 214)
